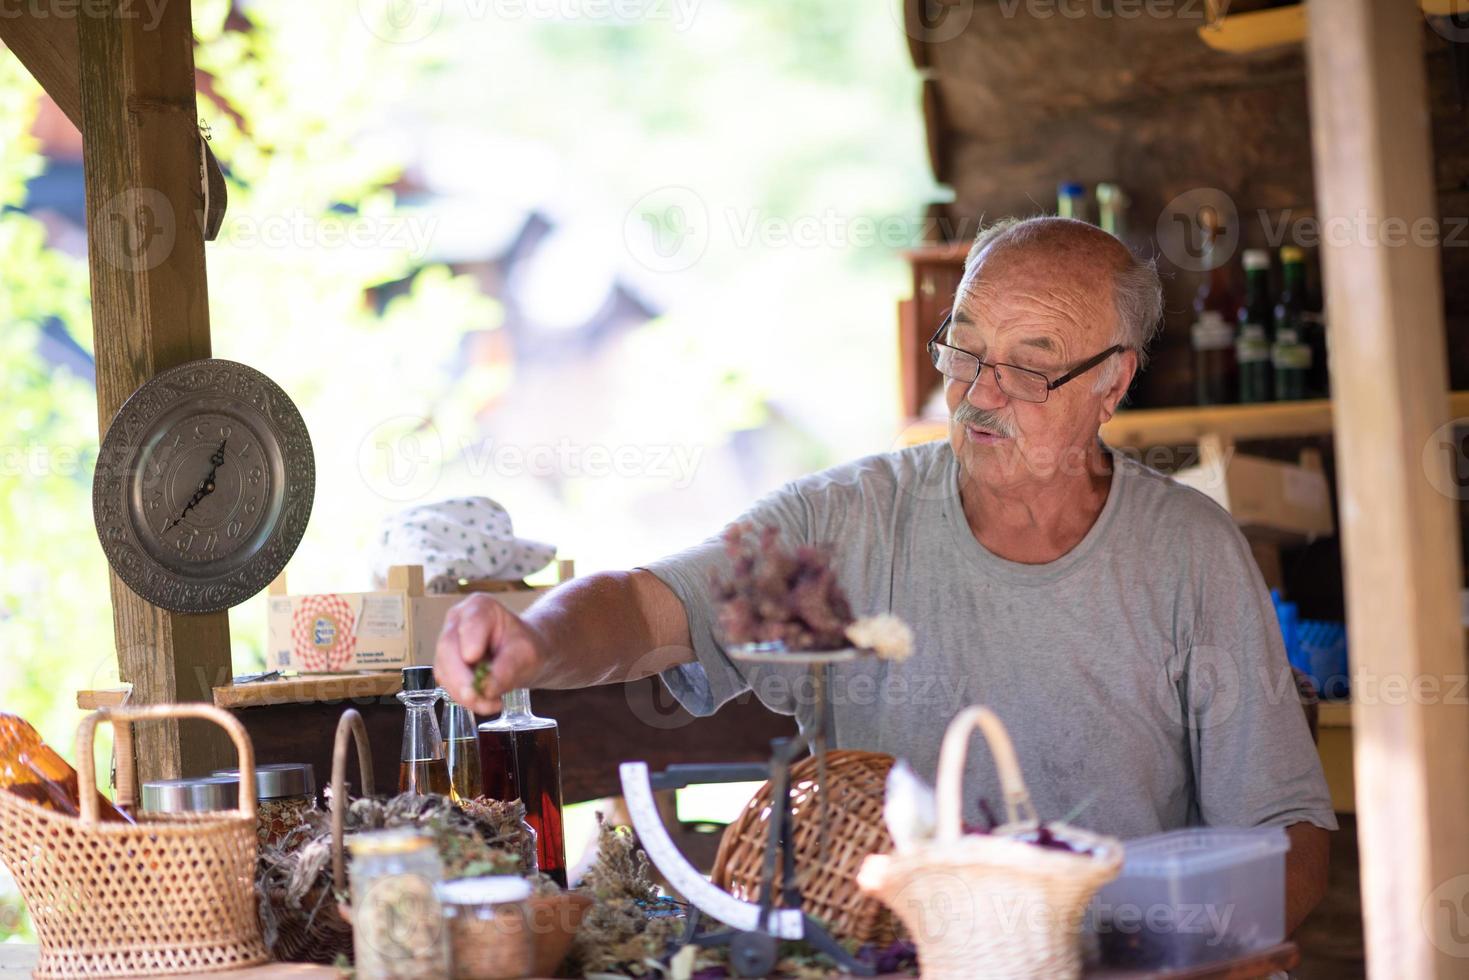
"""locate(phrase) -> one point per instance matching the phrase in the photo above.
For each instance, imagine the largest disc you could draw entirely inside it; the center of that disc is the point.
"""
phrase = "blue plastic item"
(1317, 648)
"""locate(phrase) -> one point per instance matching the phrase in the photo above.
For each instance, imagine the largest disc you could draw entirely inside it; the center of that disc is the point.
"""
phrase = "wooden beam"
(1400, 533)
(47, 47)
(141, 155)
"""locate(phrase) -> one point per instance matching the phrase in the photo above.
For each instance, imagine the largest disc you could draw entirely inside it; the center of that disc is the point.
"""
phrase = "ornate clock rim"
(118, 458)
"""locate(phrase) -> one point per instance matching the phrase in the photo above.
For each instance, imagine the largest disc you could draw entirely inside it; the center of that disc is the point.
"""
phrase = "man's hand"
(480, 631)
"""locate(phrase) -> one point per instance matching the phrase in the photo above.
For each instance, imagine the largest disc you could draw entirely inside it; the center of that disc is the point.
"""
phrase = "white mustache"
(967, 414)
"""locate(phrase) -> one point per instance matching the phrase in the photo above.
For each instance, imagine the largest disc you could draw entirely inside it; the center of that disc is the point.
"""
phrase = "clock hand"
(206, 486)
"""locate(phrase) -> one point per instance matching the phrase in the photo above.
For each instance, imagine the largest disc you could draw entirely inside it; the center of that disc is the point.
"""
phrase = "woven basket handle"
(950, 789)
(127, 715)
(350, 725)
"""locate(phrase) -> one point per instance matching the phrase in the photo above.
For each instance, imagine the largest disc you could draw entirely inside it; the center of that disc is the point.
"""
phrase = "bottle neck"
(516, 703)
(1257, 287)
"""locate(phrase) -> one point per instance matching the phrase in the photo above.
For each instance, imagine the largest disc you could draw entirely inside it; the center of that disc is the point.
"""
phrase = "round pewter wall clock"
(203, 487)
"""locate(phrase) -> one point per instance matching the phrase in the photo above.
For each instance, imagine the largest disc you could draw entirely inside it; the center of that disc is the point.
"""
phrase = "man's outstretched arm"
(604, 628)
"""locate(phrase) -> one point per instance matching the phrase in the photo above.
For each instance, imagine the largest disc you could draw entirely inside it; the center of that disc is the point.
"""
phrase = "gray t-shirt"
(1141, 675)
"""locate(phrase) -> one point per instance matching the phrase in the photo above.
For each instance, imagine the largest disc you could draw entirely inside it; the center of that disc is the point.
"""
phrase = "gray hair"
(1137, 292)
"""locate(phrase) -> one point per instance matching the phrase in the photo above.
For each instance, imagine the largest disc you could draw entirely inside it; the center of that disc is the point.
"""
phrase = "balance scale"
(755, 929)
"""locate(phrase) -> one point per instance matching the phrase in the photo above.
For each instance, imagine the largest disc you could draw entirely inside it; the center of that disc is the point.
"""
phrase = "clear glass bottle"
(520, 756)
(461, 751)
(422, 768)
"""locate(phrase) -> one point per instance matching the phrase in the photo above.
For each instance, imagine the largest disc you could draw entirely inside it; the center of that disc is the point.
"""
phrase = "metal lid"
(490, 890)
(277, 780)
(1255, 258)
(378, 842)
(204, 794)
(419, 679)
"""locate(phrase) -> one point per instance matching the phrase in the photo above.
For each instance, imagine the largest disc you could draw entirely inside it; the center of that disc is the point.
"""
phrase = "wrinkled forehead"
(1031, 288)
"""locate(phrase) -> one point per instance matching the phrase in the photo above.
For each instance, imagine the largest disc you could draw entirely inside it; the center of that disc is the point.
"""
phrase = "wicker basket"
(327, 931)
(167, 895)
(855, 782)
(985, 905)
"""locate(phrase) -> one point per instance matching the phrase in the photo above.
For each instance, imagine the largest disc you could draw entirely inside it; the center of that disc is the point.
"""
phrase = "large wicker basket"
(854, 795)
(988, 905)
(167, 895)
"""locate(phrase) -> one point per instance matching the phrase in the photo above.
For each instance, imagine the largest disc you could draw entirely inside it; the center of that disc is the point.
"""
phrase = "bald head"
(1080, 272)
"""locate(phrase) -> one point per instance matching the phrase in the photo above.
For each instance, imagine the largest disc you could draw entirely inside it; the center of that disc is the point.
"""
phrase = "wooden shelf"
(302, 689)
(1258, 30)
(1142, 428)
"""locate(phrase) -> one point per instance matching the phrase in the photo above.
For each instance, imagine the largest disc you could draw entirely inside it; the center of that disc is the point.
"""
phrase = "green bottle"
(1290, 353)
(1252, 347)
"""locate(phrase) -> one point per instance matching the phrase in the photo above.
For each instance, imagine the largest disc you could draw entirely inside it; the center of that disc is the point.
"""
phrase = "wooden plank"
(1400, 534)
(141, 154)
(1148, 427)
(47, 46)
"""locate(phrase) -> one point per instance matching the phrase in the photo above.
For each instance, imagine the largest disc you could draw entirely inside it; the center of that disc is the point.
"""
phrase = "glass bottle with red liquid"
(520, 756)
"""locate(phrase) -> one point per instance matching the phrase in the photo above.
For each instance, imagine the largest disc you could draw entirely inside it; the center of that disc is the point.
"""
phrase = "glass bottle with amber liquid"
(422, 768)
(520, 756)
(461, 751)
(32, 770)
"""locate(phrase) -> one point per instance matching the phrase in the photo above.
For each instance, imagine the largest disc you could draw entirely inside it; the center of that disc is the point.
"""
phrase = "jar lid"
(374, 843)
(280, 779)
(490, 890)
(197, 795)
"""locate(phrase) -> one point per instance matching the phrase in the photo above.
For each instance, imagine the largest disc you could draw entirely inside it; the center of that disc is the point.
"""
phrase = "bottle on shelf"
(1112, 203)
(461, 751)
(1252, 347)
(1290, 352)
(1071, 200)
(422, 768)
(520, 755)
(1212, 334)
(32, 770)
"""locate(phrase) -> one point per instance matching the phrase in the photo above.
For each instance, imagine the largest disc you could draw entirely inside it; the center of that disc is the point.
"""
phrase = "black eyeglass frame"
(1051, 386)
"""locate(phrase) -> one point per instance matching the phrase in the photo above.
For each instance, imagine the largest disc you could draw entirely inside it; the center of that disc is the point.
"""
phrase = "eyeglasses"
(1017, 382)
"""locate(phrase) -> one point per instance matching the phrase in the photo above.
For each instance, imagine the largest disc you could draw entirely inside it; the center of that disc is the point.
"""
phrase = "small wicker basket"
(854, 793)
(166, 895)
(987, 905)
(327, 931)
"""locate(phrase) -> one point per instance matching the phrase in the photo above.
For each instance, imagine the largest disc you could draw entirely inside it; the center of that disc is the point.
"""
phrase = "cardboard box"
(343, 632)
(1264, 494)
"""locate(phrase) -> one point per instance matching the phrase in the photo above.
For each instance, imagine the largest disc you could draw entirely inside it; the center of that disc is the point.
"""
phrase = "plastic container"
(1193, 896)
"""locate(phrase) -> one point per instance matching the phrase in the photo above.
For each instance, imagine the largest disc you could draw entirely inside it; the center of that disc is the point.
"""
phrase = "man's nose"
(984, 392)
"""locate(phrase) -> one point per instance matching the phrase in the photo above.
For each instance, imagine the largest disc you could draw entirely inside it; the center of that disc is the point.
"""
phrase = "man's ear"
(1112, 397)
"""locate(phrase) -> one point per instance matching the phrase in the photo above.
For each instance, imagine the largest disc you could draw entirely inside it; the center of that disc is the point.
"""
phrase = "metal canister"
(397, 921)
(206, 794)
(285, 790)
(489, 930)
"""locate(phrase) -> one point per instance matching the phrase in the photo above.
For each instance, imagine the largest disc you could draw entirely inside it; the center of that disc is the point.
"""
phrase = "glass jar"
(488, 926)
(397, 922)
(285, 791)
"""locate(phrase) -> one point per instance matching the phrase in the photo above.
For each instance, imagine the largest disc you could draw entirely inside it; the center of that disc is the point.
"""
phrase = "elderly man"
(1112, 618)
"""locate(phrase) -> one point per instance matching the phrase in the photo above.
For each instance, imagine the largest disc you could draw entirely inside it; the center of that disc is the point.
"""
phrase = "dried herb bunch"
(293, 878)
(617, 936)
(775, 594)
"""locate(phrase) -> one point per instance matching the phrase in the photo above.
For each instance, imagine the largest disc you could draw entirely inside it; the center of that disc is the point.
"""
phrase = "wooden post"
(142, 156)
(1373, 162)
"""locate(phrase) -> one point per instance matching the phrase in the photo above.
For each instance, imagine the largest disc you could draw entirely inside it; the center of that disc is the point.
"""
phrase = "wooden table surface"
(17, 961)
